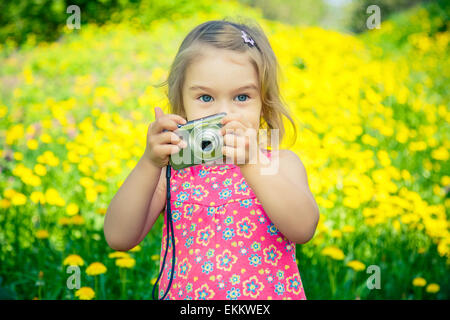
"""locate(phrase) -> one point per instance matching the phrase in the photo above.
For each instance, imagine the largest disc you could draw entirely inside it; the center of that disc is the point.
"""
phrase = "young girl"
(235, 229)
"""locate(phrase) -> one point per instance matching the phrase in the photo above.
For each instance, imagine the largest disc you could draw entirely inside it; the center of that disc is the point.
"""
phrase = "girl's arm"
(135, 207)
(285, 196)
(131, 212)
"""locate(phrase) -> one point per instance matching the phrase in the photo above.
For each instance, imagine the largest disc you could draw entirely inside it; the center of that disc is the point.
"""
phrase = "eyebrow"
(249, 86)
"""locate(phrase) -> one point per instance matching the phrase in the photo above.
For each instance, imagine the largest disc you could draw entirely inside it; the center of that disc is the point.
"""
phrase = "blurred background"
(75, 105)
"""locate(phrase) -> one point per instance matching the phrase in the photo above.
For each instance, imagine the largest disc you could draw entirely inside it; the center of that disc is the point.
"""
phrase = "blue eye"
(242, 95)
(205, 95)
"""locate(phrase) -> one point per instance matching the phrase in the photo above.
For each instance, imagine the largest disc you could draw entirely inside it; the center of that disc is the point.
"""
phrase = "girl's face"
(222, 81)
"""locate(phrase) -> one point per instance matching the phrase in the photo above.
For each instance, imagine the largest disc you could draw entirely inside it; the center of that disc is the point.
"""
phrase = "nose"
(227, 107)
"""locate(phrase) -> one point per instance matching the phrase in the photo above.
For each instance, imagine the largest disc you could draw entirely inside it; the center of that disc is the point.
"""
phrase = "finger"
(176, 118)
(230, 117)
(235, 141)
(164, 123)
(233, 155)
(229, 153)
(158, 112)
(167, 137)
(166, 149)
(232, 126)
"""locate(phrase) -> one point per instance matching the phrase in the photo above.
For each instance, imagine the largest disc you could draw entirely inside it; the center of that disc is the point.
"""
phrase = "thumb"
(158, 112)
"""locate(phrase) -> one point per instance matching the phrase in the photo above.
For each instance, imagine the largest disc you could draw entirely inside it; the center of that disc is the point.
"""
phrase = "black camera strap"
(169, 224)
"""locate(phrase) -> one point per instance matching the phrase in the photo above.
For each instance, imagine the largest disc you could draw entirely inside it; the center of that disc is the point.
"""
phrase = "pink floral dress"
(227, 248)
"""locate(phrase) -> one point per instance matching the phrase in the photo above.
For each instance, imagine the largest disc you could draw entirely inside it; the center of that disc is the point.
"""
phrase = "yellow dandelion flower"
(18, 199)
(77, 220)
(135, 249)
(155, 257)
(333, 252)
(5, 203)
(348, 229)
(46, 138)
(356, 265)
(419, 282)
(72, 209)
(73, 260)
(37, 196)
(433, 288)
(336, 234)
(42, 234)
(440, 154)
(125, 262)
(85, 293)
(9, 193)
(40, 170)
(18, 156)
(53, 198)
(32, 144)
(118, 254)
(101, 211)
(91, 194)
(63, 221)
(95, 268)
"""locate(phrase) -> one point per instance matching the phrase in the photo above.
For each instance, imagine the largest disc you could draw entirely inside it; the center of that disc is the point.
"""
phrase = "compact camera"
(203, 139)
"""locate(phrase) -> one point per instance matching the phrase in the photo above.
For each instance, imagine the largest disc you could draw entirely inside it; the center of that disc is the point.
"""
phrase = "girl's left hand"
(240, 143)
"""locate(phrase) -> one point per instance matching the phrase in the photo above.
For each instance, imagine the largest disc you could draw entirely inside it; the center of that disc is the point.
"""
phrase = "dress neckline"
(226, 165)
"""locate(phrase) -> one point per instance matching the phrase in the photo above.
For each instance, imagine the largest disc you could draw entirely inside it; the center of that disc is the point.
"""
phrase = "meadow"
(372, 112)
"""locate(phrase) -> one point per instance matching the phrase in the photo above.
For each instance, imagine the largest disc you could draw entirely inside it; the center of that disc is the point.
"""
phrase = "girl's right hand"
(161, 144)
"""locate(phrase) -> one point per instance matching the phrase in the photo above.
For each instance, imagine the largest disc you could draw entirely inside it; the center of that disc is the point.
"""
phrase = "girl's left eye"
(243, 95)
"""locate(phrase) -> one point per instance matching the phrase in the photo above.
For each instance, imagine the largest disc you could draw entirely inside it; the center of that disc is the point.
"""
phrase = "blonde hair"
(223, 34)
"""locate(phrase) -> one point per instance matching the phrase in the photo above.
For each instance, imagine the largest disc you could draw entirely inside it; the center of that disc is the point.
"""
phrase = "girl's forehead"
(225, 63)
(211, 55)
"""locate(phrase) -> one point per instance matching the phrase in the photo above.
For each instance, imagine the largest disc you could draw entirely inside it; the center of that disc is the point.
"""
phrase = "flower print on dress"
(186, 185)
(254, 260)
(202, 173)
(256, 246)
(211, 211)
(271, 229)
(229, 220)
(245, 203)
(204, 293)
(225, 193)
(204, 235)
(189, 209)
(294, 284)
(184, 268)
(245, 228)
(225, 260)
(189, 242)
(272, 255)
(207, 267)
(176, 214)
(223, 169)
(199, 192)
(221, 209)
(241, 187)
(252, 287)
(233, 293)
(182, 196)
(228, 233)
(235, 279)
(279, 288)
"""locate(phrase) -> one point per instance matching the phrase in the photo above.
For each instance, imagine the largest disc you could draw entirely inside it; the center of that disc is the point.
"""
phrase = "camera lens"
(206, 145)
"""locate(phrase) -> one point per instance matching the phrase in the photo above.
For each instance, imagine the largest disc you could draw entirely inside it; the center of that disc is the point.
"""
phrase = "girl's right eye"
(206, 95)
